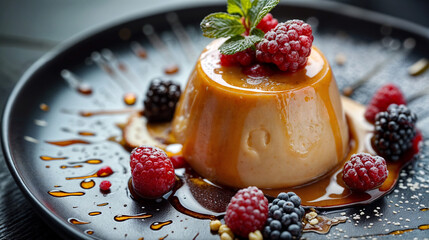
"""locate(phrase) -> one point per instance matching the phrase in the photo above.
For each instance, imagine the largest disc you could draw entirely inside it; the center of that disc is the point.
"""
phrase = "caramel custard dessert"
(275, 131)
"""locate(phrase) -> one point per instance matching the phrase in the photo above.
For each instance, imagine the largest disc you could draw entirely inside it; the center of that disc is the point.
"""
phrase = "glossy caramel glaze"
(237, 130)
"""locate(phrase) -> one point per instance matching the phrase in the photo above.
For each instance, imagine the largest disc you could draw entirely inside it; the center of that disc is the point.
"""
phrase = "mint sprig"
(218, 25)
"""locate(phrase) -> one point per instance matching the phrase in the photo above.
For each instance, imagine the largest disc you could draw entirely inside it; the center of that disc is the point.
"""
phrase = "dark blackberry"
(284, 217)
(161, 99)
(394, 131)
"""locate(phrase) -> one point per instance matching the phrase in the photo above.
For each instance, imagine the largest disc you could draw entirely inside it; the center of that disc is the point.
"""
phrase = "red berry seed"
(364, 172)
(247, 211)
(152, 171)
(104, 171)
(386, 95)
(105, 185)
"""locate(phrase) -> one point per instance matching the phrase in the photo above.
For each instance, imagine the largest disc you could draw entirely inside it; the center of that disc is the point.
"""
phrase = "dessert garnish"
(386, 95)
(394, 131)
(178, 161)
(284, 217)
(247, 211)
(364, 172)
(161, 99)
(105, 186)
(252, 31)
(104, 171)
(152, 172)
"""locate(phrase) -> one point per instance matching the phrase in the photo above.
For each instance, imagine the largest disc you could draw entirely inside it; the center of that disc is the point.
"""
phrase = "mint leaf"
(238, 43)
(217, 25)
(234, 7)
(259, 9)
(258, 32)
(240, 7)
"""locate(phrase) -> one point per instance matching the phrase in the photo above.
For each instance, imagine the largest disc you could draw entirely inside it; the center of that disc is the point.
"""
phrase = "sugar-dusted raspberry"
(288, 45)
(258, 70)
(178, 161)
(105, 185)
(364, 171)
(267, 23)
(104, 171)
(247, 211)
(152, 171)
(243, 58)
(386, 95)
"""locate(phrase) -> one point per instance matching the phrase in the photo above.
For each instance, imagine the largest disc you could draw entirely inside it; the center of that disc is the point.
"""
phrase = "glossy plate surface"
(45, 107)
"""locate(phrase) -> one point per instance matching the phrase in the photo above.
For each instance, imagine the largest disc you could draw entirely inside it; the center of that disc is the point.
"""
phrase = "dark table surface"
(29, 29)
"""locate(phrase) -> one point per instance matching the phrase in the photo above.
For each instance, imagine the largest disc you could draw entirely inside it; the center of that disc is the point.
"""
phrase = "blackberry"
(161, 99)
(284, 217)
(394, 131)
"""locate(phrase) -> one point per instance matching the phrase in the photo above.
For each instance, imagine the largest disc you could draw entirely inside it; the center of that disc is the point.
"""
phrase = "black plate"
(367, 39)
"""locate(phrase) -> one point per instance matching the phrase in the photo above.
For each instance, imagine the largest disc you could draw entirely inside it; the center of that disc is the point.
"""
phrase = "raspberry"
(243, 58)
(284, 217)
(394, 131)
(104, 171)
(178, 161)
(258, 70)
(288, 45)
(364, 172)
(152, 171)
(247, 211)
(161, 99)
(105, 186)
(267, 23)
(386, 95)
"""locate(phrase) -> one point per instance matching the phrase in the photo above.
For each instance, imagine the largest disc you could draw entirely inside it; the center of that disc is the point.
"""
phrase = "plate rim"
(66, 230)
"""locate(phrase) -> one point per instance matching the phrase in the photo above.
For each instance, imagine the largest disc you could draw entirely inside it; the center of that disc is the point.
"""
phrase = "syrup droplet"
(102, 204)
(87, 184)
(47, 158)
(44, 107)
(68, 142)
(84, 89)
(59, 193)
(94, 213)
(130, 98)
(424, 209)
(77, 221)
(121, 218)
(122, 67)
(84, 133)
(171, 69)
(89, 232)
(70, 166)
(162, 238)
(158, 225)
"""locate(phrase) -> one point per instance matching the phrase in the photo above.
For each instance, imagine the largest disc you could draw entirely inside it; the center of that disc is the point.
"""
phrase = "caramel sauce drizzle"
(85, 133)
(59, 193)
(121, 218)
(70, 166)
(158, 225)
(89, 161)
(89, 232)
(47, 158)
(67, 142)
(44, 107)
(102, 204)
(94, 213)
(85, 184)
(171, 69)
(107, 112)
(77, 221)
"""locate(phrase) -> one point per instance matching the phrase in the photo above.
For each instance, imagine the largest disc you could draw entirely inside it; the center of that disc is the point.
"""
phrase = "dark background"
(29, 29)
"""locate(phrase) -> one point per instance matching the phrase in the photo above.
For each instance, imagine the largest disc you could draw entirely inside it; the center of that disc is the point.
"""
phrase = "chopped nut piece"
(419, 67)
(314, 221)
(225, 236)
(225, 229)
(256, 235)
(310, 215)
(214, 225)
